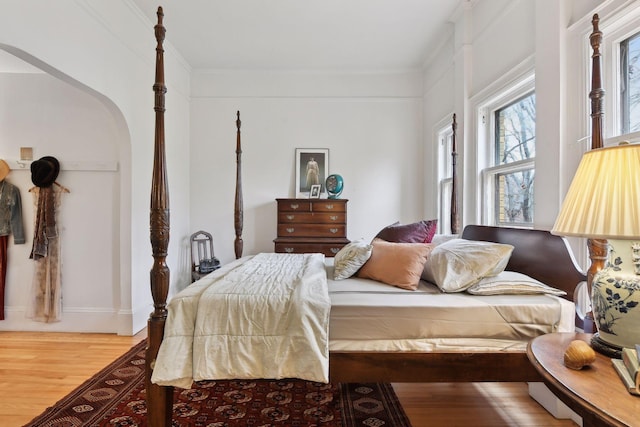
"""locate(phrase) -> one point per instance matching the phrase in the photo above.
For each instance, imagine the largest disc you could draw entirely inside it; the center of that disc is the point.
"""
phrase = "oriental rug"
(115, 396)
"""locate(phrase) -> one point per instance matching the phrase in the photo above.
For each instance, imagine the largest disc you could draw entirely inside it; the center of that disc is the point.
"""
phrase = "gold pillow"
(350, 258)
(397, 264)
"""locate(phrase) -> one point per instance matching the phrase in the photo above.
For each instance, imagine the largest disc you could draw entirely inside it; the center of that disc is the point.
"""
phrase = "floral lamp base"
(615, 296)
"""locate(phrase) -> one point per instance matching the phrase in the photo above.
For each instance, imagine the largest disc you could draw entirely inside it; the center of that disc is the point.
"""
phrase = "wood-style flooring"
(37, 369)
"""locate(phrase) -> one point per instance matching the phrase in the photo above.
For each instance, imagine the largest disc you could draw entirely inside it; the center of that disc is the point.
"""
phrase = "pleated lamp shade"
(603, 201)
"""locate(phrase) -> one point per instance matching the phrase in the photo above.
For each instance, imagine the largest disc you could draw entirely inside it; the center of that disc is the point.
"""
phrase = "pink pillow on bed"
(397, 264)
(417, 232)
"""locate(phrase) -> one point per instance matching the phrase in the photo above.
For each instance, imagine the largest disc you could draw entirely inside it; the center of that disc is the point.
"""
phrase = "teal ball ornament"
(334, 185)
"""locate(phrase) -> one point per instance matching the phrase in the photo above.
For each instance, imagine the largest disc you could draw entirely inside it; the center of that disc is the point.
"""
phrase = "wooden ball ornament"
(578, 355)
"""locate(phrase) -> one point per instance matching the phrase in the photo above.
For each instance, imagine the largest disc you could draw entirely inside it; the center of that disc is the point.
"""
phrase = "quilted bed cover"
(262, 316)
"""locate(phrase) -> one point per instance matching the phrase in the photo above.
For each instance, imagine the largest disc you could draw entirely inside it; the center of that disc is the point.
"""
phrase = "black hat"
(45, 171)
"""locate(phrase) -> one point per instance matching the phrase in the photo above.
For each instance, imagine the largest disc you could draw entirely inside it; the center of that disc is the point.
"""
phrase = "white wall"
(491, 42)
(40, 111)
(114, 62)
(371, 124)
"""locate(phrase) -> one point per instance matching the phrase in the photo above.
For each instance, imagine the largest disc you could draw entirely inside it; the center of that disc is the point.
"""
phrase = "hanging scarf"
(45, 226)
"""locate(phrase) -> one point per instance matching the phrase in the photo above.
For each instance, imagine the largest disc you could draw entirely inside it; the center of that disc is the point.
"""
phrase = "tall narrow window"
(508, 193)
(630, 84)
(515, 142)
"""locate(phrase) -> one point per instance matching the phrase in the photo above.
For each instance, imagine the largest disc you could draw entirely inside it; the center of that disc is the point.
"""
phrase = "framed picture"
(312, 167)
(315, 191)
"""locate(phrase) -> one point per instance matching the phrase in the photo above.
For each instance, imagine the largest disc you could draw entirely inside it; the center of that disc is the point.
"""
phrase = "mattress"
(371, 316)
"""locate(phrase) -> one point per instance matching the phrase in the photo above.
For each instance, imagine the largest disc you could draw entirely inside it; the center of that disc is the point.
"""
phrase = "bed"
(536, 253)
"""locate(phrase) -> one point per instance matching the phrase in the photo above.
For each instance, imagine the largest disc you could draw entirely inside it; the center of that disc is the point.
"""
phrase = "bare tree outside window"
(515, 140)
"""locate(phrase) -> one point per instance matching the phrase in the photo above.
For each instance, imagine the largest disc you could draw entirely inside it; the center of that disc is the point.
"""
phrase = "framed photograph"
(315, 191)
(312, 168)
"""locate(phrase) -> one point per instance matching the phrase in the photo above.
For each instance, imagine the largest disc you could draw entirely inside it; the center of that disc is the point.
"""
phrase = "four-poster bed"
(532, 255)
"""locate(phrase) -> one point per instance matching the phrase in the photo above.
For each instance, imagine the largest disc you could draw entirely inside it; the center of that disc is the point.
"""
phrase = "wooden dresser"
(311, 225)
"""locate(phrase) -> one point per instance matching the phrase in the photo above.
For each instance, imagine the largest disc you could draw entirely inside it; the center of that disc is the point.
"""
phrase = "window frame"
(616, 28)
(517, 89)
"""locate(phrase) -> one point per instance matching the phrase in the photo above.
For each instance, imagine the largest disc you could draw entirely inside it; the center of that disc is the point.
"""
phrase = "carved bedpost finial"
(160, 14)
(597, 92)
(238, 211)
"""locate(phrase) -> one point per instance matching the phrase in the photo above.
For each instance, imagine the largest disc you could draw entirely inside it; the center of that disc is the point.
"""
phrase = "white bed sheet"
(371, 316)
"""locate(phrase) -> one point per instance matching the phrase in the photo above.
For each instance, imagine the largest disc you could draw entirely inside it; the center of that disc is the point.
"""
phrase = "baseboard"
(73, 320)
(81, 319)
(541, 394)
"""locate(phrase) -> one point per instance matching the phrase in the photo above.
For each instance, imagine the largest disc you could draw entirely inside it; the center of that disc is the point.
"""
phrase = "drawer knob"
(333, 217)
(288, 250)
(295, 206)
(329, 206)
(334, 250)
(290, 230)
(290, 217)
(333, 230)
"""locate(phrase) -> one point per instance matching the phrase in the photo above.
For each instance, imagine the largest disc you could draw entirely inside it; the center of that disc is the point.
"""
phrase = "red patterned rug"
(115, 396)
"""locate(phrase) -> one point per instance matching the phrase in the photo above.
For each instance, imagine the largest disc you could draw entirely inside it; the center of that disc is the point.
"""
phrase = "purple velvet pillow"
(417, 232)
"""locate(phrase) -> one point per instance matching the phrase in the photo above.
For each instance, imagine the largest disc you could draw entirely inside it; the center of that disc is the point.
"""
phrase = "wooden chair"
(203, 260)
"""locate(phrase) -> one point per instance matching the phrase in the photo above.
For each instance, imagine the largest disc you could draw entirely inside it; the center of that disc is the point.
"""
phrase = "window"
(515, 142)
(630, 84)
(509, 123)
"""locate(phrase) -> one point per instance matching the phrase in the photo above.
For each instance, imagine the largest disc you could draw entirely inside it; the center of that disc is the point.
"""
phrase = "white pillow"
(439, 239)
(459, 263)
(350, 258)
(511, 282)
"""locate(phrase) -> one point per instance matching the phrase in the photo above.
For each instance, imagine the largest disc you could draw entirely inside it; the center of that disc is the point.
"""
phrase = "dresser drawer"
(294, 205)
(329, 206)
(311, 230)
(311, 218)
(329, 249)
(312, 205)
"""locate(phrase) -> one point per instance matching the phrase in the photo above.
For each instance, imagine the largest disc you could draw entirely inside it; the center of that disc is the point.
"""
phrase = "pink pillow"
(417, 232)
(397, 264)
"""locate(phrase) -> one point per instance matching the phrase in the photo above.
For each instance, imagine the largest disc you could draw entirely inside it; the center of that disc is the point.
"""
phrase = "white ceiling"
(305, 34)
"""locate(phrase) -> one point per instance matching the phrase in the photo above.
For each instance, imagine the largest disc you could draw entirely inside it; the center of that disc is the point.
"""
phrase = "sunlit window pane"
(516, 131)
(514, 197)
(515, 141)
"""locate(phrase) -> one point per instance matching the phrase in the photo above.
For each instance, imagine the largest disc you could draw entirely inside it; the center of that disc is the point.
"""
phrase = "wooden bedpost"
(455, 222)
(159, 399)
(598, 248)
(597, 92)
(238, 212)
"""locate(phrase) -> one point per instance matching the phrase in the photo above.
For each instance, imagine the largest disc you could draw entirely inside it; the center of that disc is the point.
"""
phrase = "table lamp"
(603, 202)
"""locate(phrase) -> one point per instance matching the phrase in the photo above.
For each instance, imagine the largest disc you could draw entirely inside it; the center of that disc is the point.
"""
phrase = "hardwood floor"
(38, 369)
(473, 404)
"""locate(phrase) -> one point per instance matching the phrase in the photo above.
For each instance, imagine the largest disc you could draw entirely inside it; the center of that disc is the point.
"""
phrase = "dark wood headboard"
(532, 251)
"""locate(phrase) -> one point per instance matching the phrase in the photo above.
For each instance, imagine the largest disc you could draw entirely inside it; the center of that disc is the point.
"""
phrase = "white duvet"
(263, 316)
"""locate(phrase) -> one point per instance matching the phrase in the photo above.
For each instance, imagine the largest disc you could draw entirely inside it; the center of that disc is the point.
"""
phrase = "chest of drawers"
(311, 225)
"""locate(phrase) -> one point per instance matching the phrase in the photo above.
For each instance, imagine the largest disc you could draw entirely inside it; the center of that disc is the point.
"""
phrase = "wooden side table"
(596, 393)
